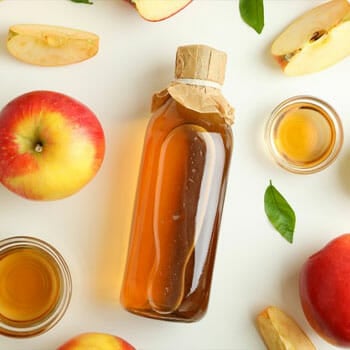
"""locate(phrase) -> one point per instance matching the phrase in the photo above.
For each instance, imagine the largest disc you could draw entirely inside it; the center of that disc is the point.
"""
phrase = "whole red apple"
(50, 145)
(324, 287)
(96, 341)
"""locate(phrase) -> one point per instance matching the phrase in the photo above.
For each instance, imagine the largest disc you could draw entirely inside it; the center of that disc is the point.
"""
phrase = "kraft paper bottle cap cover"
(200, 62)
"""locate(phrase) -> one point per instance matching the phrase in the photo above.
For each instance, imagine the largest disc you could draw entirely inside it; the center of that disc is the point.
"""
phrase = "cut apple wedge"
(158, 10)
(47, 45)
(280, 332)
(316, 40)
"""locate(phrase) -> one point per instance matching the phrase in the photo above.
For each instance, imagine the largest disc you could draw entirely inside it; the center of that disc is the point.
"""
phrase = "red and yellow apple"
(96, 341)
(47, 45)
(325, 291)
(51, 145)
(158, 10)
(316, 40)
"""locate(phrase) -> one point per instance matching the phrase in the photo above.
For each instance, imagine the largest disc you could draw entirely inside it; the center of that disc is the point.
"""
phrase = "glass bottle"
(181, 192)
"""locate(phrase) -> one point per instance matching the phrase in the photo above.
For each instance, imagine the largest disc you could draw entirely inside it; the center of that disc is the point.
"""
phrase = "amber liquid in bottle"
(177, 214)
(29, 285)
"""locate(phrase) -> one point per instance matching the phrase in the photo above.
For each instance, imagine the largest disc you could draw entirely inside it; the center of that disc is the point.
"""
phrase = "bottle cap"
(200, 62)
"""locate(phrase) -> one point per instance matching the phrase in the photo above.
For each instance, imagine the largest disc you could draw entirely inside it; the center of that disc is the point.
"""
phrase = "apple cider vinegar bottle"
(181, 191)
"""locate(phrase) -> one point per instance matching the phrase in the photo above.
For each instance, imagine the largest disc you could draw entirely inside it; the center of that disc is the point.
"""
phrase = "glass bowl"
(24, 263)
(304, 134)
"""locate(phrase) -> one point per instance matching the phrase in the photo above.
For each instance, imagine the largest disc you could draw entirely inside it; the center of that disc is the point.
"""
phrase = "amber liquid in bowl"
(305, 135)
(29, 285)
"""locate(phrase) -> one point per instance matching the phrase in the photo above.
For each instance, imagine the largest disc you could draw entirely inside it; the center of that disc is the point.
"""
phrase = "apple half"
(158, 10)
(47, 45)
(316, 40)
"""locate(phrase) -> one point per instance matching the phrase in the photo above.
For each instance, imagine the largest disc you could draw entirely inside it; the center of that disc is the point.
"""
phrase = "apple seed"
(317, 35)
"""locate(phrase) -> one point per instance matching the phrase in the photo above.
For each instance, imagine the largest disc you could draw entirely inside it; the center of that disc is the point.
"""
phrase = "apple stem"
(38, 148)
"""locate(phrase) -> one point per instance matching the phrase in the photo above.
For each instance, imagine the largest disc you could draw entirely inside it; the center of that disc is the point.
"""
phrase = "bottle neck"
(198, 82)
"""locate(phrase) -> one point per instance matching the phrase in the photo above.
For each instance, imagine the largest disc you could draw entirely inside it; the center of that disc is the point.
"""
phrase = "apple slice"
(47, 45)
(280, 332)
(316, 40)
(158, 10)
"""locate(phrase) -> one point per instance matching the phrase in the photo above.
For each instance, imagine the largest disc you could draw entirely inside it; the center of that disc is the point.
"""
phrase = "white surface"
(255, 267)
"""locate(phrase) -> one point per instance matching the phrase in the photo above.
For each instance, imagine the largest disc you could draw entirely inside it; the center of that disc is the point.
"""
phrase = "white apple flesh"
(322, 53)
(158, 10)
(47, 45)
(316, 40)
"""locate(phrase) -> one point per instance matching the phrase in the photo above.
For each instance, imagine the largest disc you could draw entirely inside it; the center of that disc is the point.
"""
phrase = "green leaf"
(252, 12)
(83, 1)
(279, 213)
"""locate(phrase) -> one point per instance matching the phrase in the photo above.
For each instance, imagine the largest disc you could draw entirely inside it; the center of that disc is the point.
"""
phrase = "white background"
(255, 267)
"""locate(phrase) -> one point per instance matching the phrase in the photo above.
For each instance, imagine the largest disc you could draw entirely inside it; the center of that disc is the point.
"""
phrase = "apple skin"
(324, 288)
(51, 145)
(133, 4)
(281, 61)
(96, 341)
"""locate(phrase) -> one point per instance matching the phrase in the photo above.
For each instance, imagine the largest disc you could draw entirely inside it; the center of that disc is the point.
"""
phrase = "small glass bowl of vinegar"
(35, 286)
(304, 134)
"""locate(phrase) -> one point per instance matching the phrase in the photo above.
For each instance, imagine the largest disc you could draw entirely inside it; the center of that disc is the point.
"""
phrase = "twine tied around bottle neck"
(199, 82)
